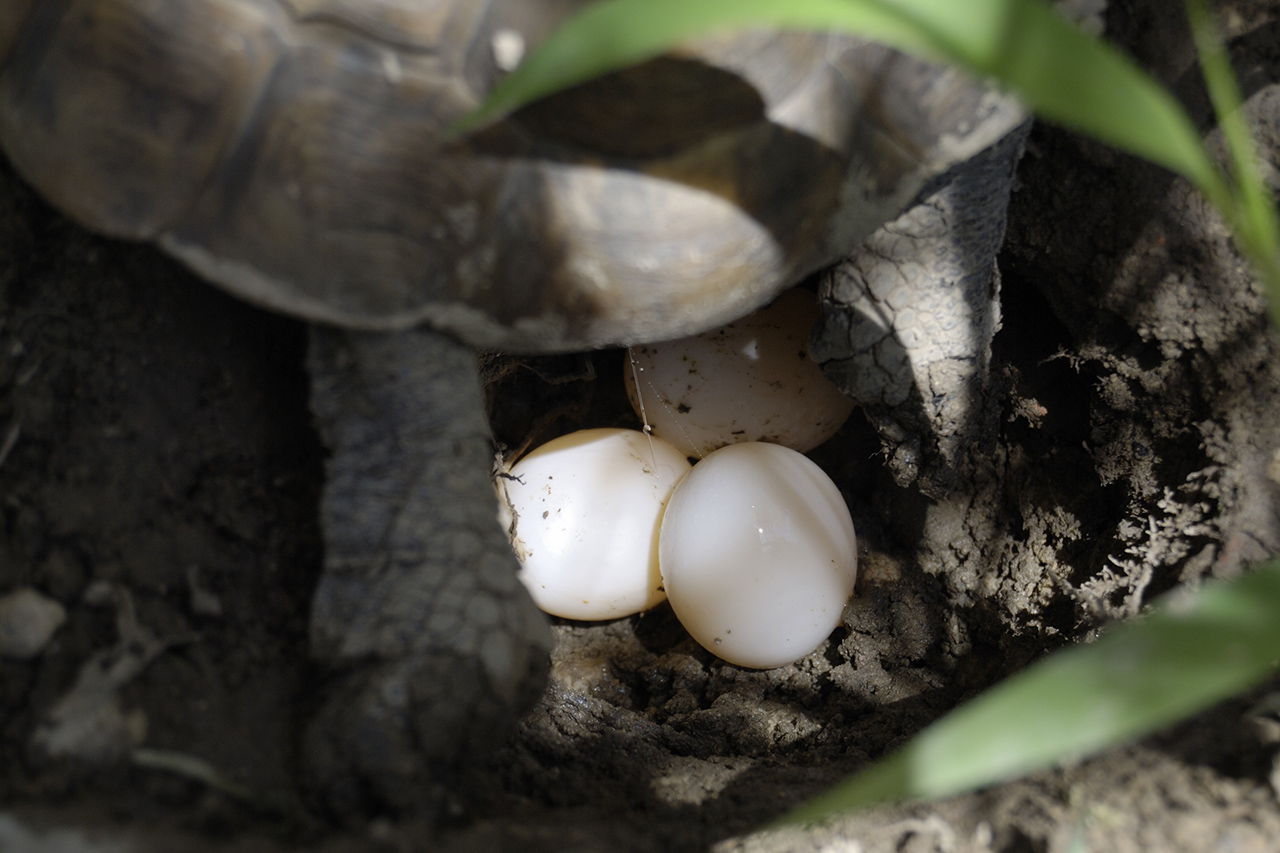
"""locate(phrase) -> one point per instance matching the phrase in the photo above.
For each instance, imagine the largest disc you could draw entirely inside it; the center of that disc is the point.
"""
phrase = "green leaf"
(1250, 209)
(611, 35)
(1198, 647)
(1061, 73)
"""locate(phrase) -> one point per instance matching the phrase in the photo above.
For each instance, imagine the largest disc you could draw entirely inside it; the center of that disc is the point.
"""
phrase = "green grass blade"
(1196, 648)
(614, 34)
(1227, 103)
(1252, 212)
(1060, 72)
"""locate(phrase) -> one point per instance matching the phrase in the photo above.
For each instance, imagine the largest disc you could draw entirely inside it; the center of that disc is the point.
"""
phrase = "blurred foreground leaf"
(1061, 73)
(1197, 647)
(1057, 70)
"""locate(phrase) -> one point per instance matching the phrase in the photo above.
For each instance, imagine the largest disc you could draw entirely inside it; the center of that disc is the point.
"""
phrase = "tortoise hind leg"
(435, 647)
(909, 317)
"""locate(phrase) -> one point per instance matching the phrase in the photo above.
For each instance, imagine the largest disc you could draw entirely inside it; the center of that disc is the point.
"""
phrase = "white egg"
(583, 512)
(751, 380)
(758, 554)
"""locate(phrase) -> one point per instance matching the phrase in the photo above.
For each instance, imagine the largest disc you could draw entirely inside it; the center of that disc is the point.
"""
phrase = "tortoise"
(297, 154)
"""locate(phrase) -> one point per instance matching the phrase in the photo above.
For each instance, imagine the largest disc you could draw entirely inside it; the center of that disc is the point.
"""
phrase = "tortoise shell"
(296, 153)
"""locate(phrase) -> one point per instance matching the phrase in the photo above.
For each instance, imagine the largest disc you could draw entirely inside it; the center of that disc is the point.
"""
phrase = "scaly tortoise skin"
(294, 153)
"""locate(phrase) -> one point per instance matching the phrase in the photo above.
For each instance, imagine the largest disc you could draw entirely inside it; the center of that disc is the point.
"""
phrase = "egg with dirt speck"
(751, 380)
(583, 512)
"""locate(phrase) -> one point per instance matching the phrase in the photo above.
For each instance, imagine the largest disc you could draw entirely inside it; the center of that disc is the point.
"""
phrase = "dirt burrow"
(159, 476)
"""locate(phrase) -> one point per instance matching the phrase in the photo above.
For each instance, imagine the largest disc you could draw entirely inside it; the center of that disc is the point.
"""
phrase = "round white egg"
(751, 380)
(583, 512)
(758, 554)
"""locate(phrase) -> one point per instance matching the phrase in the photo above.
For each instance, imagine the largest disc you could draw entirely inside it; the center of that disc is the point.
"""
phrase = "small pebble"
(28, 621)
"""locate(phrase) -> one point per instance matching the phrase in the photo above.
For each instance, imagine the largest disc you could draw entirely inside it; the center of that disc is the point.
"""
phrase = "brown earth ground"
(159, 477)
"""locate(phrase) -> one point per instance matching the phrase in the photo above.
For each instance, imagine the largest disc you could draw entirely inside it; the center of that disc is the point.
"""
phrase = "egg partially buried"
(751, 380)
(758, 554)
(583, 512)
